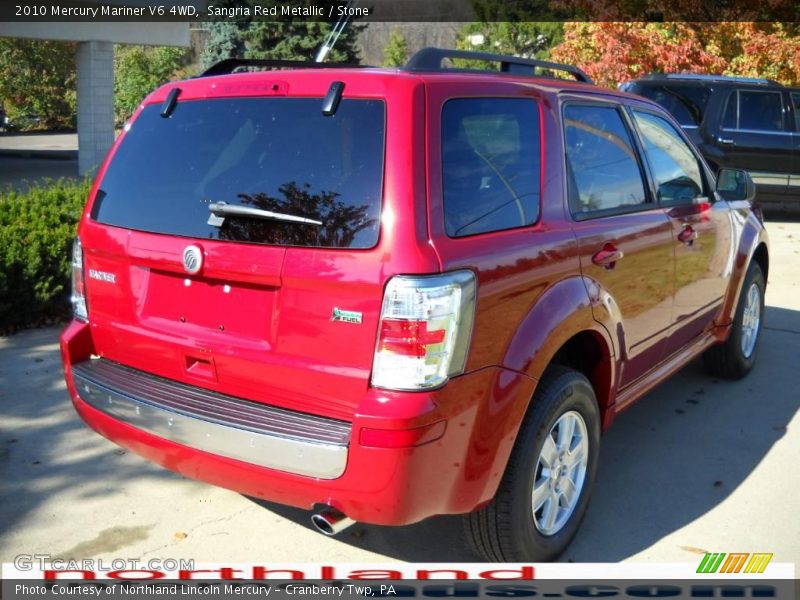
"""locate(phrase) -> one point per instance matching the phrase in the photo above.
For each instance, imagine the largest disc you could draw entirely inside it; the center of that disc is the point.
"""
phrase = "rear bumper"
(253, 433)
(475, 417)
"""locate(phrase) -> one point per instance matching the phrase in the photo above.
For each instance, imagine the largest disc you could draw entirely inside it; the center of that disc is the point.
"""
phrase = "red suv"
(387, 294)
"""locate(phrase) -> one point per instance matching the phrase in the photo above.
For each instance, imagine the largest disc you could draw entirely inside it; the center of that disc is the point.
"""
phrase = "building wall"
(148, 34)
(375, 36)
(95, 62)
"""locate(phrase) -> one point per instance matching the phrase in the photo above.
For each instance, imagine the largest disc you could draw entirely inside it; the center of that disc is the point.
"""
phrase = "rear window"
(280, 155)
(687, 103)
(490, 164)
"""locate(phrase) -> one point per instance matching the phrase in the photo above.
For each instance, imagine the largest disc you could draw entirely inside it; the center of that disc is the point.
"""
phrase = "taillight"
(424, 332)
(79, 308)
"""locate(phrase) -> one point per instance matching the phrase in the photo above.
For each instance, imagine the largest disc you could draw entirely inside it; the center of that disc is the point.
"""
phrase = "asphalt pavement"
(27, 158)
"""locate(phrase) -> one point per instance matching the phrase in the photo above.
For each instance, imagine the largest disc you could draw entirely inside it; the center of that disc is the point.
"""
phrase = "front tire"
(735, 358)
(545, 490)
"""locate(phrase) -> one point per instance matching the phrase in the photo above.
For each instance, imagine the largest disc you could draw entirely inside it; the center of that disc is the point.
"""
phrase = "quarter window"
(674, 165)
(491, 164)
(603, 169)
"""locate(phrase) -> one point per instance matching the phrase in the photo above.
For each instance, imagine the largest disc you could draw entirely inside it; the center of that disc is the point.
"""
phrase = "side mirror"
(735, 184)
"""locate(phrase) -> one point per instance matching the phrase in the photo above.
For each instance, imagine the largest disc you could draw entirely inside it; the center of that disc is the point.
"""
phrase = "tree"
(509, 28)
(525, 39)
(38, 78)
(395, 54)
(770, 50)
(139, 70)
(295, 40)
(285, 38)
(612, 52)
(225, 40)
(298, 40)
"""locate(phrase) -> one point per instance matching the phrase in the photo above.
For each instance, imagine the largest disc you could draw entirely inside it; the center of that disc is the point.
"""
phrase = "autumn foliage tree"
(612, 52)
(37, 79)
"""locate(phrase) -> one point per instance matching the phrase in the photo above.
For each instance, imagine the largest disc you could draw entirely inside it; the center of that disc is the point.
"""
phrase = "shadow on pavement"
(44, 447)
(668, 460)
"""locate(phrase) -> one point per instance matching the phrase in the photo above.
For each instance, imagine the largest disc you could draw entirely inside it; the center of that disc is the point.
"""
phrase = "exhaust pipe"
(330, 521)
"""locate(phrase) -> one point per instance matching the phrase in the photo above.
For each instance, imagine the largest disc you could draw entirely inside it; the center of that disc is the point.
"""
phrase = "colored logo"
(346, 316)
(735, 562)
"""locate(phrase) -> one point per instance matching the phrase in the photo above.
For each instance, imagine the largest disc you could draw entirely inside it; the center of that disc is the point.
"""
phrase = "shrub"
(36, 232)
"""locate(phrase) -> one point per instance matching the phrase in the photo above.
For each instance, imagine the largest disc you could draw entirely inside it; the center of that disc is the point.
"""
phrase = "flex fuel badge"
(346, 316)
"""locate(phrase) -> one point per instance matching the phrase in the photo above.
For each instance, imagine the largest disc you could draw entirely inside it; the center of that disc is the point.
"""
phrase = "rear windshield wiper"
(220, 210)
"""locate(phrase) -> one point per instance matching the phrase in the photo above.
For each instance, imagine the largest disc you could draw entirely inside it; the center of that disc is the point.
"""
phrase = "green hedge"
(36, 232)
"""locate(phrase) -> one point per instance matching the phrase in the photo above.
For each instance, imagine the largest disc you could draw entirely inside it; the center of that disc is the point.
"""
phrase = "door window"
(675, 166)
(755, 110)
(601, 160)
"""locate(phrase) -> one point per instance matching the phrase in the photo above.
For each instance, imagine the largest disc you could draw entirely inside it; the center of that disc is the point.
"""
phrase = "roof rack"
(229, 65)
(430, 59)
(719, 78)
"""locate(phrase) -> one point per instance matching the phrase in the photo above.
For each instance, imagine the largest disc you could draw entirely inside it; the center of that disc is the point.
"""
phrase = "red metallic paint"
(537, 289)
(392, 486)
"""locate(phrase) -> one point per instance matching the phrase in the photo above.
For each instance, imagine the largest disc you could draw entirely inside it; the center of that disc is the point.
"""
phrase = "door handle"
(687, 235)
(728, 141)
(607, 256)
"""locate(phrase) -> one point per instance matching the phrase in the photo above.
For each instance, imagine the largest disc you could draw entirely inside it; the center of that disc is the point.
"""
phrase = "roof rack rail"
(229, 65)
(430, 59)
(721, 78)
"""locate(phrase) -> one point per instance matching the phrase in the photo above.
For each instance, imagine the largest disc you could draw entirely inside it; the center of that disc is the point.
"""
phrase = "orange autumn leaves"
(612, 52)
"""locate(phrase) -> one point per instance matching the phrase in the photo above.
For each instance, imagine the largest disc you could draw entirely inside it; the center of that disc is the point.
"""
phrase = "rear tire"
(735, 358)
(538, 508)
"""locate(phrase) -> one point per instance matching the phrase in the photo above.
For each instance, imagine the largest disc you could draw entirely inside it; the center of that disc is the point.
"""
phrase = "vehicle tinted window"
(756, 110)
(673, 163)
(687, 103)
(796, 103)
(730, 118)
(490, 164)
(602, 164)
(276, 154)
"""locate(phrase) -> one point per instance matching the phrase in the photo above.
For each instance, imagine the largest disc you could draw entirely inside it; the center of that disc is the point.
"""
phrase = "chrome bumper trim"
(254, 433)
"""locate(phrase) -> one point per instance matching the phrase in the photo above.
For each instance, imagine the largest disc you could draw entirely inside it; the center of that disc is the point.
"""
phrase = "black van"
(737, 122)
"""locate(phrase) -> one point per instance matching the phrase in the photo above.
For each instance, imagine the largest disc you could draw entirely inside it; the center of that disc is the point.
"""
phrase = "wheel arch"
(753, 246)
(561, 329)
(761, 256)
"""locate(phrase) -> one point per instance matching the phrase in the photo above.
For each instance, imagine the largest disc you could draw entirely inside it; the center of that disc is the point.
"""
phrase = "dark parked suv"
(387, 294)
(737, 122)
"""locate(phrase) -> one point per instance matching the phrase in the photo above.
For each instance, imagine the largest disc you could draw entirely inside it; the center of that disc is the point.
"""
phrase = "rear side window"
(687, 103)
(675, 166)
(274, 154)
(491, 164)
(603, 170)
(754, 110)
